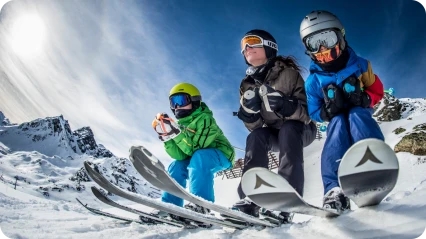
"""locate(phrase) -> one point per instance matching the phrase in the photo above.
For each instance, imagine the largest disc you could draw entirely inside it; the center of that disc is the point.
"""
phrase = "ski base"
(110, 215)
(154, 172)
(368, 172)
(271, 191)
(145, 217)
(166, 207)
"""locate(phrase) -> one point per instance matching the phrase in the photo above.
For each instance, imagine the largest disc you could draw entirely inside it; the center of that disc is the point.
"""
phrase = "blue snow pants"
(199, 170)
(342, 132)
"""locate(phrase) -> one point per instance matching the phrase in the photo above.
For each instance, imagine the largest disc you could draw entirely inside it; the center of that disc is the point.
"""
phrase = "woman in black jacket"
(277, 121)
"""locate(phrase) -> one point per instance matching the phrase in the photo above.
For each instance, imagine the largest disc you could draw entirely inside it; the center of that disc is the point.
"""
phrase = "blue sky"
(110, 64)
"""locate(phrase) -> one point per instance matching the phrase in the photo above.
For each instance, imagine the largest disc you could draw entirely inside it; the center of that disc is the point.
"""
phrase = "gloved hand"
(334, 102)
(251, 102)
(245, 116)
(166, 128)
(276, 101)
(352, 92)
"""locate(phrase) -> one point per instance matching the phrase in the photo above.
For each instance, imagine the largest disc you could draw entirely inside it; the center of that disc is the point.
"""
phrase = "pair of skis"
(190, 216)
(367, 173)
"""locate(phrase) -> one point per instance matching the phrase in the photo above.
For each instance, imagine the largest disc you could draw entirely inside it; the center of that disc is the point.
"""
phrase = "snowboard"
(154, 172)
(269, 190)
(368, 172)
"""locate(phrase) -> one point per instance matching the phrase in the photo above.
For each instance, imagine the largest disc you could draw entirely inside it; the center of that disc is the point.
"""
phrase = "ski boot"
(275, 217)
(148, 220)
(156, 213)
(335, 199)
(246, 206)
(199, 209)
(196, 208)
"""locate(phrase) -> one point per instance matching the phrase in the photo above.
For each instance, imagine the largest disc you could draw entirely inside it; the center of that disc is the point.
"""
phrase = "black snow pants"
(289, 140)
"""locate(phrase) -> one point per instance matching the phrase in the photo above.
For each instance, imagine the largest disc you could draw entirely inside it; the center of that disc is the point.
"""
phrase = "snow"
(26, 213)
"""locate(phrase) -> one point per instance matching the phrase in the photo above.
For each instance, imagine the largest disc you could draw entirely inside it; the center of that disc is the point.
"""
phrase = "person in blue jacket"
(341, 89)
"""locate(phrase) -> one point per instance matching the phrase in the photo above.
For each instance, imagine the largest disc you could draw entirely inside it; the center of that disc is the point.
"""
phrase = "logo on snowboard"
(260, 182)
(368, 156)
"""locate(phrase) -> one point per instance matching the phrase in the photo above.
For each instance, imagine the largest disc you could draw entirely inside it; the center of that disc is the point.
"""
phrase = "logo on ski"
(150, 171)
(368, 156)
(260, 182)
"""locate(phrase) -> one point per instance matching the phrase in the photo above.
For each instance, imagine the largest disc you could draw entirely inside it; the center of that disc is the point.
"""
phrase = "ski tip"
(143, 150)
(86, 164)
(79, 201)
(94, 189)
(261, 180)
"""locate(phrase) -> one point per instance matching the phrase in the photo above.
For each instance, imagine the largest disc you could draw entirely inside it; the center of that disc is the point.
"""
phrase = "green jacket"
(199, 131)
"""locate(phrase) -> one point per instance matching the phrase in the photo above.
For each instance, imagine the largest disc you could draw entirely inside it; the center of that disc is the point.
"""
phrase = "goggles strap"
(262, 43)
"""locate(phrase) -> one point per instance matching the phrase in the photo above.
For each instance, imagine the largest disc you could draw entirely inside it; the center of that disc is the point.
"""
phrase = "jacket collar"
(315, 68)
(273, 73)
(202, 109)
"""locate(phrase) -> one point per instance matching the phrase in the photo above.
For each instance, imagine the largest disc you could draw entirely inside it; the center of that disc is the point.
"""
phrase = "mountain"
(3, 120)
(406, 112)
(48, 156)
(51, 136)
(391, 108)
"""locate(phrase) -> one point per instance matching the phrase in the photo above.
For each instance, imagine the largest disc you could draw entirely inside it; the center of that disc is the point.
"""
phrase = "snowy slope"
(26, 213)
(46, 158)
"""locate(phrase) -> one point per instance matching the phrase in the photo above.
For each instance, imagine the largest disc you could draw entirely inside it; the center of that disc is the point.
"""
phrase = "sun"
(27, 35)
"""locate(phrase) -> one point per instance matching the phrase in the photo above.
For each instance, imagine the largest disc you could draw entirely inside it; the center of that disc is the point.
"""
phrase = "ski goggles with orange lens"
(328, 55)
(180, 100)
(327, 38)
(256, 41)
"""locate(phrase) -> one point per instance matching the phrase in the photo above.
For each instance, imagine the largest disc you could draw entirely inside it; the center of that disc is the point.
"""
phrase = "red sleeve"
(375, 91)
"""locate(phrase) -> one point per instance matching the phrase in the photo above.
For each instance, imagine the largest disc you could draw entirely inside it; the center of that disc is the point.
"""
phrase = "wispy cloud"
(103, 65)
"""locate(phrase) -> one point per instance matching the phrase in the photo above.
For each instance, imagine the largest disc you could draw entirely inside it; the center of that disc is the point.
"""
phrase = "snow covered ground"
(26, 213)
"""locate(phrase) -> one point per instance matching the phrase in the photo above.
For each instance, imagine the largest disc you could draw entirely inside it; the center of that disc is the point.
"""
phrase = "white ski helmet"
(321, 20)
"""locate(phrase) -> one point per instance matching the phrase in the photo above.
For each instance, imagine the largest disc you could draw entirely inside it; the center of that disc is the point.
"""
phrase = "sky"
(111, 64)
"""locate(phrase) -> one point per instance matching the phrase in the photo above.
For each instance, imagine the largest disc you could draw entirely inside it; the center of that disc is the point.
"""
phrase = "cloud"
(102, 66)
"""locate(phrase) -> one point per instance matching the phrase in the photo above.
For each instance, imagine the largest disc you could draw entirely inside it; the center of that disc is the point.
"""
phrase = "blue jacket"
(318, 79)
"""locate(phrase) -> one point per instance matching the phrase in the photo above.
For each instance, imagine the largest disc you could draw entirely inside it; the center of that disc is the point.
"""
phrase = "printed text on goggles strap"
(180, 100)
(256, 41)
(328, 39)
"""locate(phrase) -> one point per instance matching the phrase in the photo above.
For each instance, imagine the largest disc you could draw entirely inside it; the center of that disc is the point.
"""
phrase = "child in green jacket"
(196, 142)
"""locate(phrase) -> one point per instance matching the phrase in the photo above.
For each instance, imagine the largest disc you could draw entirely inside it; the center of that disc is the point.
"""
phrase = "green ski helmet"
(317, 21)
(183, 94)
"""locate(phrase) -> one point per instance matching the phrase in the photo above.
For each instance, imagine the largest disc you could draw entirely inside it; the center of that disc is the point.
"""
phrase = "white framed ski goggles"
(327, 38)
(257, 42)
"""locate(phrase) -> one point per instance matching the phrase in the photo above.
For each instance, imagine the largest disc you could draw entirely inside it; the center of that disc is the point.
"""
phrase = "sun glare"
(27, 35)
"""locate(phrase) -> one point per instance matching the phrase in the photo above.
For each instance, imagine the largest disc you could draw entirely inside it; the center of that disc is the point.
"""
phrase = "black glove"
(334, 102)
(247, 117)
(277, 102)
(354, 95)
(250, 101)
